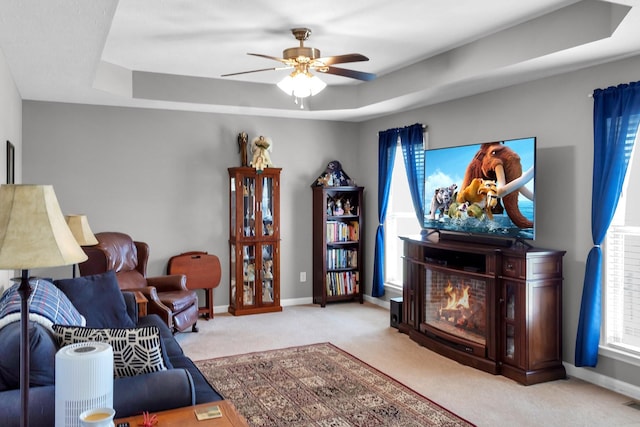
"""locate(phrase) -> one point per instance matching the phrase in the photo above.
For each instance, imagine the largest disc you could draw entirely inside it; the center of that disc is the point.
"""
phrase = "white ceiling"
(171, 54)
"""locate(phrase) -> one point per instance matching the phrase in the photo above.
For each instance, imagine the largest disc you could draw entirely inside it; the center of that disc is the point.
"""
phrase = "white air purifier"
(84, 380)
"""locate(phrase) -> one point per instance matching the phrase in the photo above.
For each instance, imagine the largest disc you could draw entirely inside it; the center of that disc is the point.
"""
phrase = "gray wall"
(558, 111)
(161, 175)
(10, 130)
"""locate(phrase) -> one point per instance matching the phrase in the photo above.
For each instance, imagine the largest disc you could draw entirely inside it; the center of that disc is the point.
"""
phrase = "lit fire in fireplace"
(457, 297)
(460, 310)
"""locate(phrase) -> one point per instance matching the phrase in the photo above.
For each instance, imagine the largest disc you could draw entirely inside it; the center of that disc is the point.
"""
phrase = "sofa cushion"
(42, 350)
(99, 299)
(47, 305)
(135, 350)
(204, 391)
(170, 346)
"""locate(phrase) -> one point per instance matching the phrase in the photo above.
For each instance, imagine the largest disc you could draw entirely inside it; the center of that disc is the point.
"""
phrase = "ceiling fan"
(304, 59)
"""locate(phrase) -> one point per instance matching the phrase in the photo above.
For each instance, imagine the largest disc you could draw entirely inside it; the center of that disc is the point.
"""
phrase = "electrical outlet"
(303, 276)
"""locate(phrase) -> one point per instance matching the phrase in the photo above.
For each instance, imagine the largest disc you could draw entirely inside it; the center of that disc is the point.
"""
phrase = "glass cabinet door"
(232, 282)
(267, 274)
(249, 206)
(510, 322)
(248, 275)
(232, 199)
(266, 206)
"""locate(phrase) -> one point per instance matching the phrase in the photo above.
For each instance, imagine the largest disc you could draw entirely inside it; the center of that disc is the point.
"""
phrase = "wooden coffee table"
(186, 417)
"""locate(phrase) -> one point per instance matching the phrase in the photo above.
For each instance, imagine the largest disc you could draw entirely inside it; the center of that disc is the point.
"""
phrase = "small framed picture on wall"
(11, 158)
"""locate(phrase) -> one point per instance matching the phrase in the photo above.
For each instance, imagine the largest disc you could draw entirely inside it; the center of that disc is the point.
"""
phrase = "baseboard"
(603, 381)
(283, 303)
(296, 301)
(306, 300)
(378, 302)
(219, 309)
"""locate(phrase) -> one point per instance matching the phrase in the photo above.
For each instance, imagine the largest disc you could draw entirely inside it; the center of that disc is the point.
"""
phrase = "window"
(621, 326)
(401, 221)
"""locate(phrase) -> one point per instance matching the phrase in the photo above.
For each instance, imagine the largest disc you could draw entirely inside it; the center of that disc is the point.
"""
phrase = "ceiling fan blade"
(342, 59)
(359, 75)
(275, 58)
(254, 71)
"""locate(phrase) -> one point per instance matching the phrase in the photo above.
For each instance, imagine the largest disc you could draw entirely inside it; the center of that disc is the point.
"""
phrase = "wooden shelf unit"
(338, 244)
(254, 240)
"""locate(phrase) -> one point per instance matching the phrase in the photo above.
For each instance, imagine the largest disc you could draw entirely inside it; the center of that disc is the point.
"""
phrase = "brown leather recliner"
(167, 296)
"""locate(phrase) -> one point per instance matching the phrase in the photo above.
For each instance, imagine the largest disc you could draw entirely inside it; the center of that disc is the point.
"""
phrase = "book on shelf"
(354, 231)
(338, 231)
(353, 258)
(342, 258)
(342, 283)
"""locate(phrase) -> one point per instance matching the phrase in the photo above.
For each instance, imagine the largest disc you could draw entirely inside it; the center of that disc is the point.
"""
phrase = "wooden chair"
(203, 271)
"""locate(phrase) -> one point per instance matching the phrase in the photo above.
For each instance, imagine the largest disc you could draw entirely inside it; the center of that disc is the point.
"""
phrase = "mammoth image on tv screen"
(486, 189)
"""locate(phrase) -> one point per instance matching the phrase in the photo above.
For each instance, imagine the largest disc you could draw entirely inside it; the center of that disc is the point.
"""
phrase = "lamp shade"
(301, 85)
(33, 231)
(79, 226)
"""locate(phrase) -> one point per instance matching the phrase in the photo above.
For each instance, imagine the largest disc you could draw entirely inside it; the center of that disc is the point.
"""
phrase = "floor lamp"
(79, 226)
(33, 234)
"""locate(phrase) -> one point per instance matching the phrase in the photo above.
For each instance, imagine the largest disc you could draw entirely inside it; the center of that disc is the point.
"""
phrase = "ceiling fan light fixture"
(301, 85)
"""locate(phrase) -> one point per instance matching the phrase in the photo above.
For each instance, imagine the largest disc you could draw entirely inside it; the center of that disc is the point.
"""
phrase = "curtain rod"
(424, 127)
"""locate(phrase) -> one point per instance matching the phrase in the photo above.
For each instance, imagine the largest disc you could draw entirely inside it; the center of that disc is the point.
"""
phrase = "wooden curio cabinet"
(337, 244)
(254, 240)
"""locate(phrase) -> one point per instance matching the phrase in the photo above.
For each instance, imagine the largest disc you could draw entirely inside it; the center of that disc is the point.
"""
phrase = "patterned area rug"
(319, 385)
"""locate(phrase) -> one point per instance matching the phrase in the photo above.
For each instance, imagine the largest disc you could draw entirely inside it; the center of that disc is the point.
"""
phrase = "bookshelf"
(337, 244)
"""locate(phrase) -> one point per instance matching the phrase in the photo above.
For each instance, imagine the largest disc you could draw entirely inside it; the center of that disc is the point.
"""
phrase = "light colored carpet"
(319, 385)
(363, 331)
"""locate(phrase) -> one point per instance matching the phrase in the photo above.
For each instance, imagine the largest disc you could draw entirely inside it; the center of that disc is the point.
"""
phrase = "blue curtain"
(615, 124)
(387, 141)
(411, 140)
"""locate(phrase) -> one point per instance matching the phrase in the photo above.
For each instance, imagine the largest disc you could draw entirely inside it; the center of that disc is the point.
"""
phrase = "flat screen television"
(483, 189)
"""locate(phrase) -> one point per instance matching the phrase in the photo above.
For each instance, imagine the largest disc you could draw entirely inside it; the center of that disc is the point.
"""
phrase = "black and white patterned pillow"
(135, 350)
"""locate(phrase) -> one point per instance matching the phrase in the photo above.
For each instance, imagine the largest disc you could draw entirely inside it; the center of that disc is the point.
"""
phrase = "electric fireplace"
(455, 308)
(495, 308)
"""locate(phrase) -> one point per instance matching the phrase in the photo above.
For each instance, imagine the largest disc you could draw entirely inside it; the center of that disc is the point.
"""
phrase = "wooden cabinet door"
(513, 328)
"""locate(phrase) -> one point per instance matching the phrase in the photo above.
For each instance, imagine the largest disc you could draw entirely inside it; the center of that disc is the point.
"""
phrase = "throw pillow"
(47, 305)
(42, 350)
(99, 299)
(135, 350)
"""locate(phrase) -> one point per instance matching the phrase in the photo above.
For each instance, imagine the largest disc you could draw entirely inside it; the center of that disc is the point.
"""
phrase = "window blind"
(623, 287)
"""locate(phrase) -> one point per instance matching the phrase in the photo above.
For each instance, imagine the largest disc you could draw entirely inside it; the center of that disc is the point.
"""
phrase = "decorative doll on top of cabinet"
(243, 139)
(333, 176)
(260, 147)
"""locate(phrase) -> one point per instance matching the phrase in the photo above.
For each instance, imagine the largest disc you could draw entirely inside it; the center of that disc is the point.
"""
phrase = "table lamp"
(33, 234)
(79, 226)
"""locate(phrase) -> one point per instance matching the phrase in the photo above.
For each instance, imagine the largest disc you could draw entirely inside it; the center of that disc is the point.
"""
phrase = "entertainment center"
(494, 307)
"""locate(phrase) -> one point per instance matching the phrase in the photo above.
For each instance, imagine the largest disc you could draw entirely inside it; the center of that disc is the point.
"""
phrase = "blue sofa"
(180, 384)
